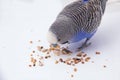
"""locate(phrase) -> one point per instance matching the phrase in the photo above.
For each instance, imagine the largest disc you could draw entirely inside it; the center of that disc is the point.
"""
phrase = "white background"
(25, 20)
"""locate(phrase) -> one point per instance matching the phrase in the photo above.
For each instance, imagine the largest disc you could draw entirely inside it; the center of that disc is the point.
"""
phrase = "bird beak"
(54, 45)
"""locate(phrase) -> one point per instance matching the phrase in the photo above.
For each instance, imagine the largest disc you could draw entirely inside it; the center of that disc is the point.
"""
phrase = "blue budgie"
(77, 21)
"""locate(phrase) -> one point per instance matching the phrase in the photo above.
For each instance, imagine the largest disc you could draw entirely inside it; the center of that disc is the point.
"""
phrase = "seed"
(65, 51)
(84, 55)
(34, 64)
(104, 66)
(31, 42)
(87, 59)
(33, 51)
(31, 54)
(97, 52)
(44, 50)
(82, 62)
(75, 69)
(33, 60)
(68, 59)
(46, 57)
(30, 65)
(81, 59)
(61, 60)
(68, 63)
(56, 62)
(57, 52)
(48, 53)
(76, 60)
(73, 64)
(39, 48)
(72, 75)
(79, 54)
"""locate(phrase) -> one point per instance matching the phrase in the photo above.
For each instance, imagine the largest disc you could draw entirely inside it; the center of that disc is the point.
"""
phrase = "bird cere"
(77, 21)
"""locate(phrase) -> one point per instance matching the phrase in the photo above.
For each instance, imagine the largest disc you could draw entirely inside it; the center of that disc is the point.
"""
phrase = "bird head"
(60, 31)
(52, 38)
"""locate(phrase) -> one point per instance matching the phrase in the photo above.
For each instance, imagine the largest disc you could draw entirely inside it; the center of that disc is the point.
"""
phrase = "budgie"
(77, 21)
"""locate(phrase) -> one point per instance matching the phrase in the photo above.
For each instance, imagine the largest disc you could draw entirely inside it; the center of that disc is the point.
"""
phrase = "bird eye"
(59, 39)
(65, 42)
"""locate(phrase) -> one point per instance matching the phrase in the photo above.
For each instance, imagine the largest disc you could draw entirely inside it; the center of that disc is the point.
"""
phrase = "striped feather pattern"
(85, 15)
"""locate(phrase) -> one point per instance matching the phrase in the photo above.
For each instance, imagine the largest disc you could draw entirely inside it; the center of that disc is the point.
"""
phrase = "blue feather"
(85, 0)
(82, 35)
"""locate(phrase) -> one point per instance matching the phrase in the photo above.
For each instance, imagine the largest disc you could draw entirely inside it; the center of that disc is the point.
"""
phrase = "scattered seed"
(72, 75)
(84, 55)
(31, 54)
(104, 66)
(31, 42)
(56, 62)
(75, 69)
(46, 57)
(33, 51)
(68, 59)
(34, 64)
(82, 62)
(44, 50)
(48, 53)
(76, 60)
(30, 65)
(81, 57)
(97, 52)
(66, 51)
(57, 52)
(68, 63)
(73, 64)
(87, 59)
(61, 60)
(33, 60)
(51, 48)
(79, 54)
(39, 48)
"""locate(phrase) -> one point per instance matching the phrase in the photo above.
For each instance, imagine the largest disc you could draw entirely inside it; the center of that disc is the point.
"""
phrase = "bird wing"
(85, 15)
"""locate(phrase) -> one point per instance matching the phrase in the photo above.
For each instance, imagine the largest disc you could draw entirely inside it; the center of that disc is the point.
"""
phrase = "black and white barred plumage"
(86, 15)
(81, 18)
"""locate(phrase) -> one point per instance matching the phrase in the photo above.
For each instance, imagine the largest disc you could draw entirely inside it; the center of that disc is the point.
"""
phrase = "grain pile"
(80, 57)
(40, 54)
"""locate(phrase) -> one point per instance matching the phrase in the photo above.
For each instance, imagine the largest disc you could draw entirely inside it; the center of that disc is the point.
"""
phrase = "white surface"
(25, 20)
